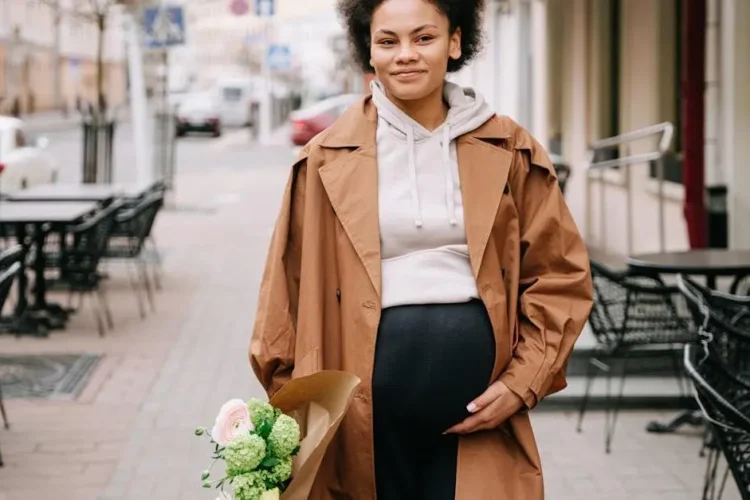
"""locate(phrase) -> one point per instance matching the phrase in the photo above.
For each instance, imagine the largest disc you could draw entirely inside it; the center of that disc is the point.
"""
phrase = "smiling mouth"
(408, 74)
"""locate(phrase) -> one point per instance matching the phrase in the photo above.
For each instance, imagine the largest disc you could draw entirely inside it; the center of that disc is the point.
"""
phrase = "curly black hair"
(465, 14)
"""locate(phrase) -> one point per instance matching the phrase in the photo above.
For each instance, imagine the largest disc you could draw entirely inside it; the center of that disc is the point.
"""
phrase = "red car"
(309, 122)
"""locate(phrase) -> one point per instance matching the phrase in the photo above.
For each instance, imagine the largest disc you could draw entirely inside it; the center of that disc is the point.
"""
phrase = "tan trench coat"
(319, 304)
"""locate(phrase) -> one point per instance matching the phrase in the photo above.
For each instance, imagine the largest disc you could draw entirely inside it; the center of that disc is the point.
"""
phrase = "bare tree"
(97, 12)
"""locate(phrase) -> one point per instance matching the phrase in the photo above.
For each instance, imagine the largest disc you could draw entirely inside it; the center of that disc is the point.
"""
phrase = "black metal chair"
(8, 258)
(128, 238)
(632, 316)
(85, 246)
(7, 277)
(721, 376)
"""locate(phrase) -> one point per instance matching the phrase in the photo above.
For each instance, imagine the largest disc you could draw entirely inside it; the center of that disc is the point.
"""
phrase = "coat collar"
(351, 182)
(357, 127)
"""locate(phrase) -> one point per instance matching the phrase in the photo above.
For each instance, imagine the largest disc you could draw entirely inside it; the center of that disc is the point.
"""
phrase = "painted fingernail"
(471, 407)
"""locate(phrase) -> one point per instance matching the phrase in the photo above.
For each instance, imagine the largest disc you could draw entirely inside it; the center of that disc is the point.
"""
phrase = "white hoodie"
(425, 258)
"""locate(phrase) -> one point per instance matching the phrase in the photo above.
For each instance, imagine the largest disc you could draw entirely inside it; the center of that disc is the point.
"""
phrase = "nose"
(407, 54)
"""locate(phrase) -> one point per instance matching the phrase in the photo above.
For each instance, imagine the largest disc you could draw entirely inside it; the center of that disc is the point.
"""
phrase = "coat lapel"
(483, 170)
(351, 182)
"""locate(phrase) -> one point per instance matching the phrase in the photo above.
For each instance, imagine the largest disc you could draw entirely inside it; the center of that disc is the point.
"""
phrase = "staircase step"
(651, 384)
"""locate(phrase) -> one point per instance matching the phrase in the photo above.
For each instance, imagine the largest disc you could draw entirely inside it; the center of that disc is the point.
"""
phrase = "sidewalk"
(129, 435)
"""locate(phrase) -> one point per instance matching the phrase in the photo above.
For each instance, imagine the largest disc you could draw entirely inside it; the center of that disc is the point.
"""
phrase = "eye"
(386, 42)
(425, 38)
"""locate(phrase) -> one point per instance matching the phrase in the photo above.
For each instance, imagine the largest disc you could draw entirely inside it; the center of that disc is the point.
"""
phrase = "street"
(128, 433)
(194, 152)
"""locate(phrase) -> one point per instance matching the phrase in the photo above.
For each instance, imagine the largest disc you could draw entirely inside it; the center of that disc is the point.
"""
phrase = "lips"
(408, 74)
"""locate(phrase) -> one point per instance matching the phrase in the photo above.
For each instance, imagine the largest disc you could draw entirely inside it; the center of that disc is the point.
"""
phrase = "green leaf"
(270, 462)
(264, 429)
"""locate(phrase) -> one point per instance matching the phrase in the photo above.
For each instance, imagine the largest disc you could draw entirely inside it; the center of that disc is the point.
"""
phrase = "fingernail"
(471, 407)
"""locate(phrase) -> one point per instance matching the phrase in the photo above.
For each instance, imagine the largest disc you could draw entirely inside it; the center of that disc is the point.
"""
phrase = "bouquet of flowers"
(257, 443)
(272, 450)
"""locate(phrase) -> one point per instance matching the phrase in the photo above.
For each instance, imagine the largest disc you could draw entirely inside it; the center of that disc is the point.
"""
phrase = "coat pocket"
(307, 365)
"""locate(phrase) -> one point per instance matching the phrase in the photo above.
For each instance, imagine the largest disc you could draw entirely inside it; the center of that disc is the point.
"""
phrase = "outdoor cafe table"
(710, 263)
(37, 214)
(99, 193)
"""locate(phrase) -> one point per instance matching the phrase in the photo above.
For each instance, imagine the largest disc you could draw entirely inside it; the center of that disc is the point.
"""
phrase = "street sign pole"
(265, 105)
(266, 10)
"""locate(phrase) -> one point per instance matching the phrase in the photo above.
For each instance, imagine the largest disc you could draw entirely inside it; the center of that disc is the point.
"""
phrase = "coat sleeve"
(274, 333)
(555, 295)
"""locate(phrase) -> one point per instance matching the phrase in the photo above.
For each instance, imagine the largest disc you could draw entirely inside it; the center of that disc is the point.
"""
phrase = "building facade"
(576, 71)
(48, 52)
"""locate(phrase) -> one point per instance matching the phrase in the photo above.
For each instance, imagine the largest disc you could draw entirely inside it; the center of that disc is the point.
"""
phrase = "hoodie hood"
(467, 112)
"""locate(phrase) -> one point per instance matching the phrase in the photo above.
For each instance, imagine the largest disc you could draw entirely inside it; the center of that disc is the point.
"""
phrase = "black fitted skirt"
(430, 362)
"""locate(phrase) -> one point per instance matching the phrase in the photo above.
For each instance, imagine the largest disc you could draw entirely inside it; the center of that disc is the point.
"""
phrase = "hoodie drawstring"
(413, 177)
(449, 184)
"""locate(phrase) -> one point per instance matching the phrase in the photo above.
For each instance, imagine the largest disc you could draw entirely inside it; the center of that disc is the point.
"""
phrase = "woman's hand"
(495, 406)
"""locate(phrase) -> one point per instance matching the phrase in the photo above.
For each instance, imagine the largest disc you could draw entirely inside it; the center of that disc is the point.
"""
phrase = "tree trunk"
(101, 100)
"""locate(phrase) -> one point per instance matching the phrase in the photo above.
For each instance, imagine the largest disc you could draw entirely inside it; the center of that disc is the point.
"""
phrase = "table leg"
(23, 322)
(22, 281)
(54, 316)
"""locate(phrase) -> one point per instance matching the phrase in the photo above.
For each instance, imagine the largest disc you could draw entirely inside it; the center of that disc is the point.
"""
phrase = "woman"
(424, 245)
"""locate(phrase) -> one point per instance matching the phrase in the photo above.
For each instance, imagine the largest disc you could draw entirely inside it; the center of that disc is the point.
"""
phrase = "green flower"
(281, 472)
(261, 413)
(284, 437)
(248, 486)
(244, 454)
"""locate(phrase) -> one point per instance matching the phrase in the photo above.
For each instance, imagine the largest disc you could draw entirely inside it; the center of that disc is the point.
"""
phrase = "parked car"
(198, 113)
(310, 121)
(23, 164)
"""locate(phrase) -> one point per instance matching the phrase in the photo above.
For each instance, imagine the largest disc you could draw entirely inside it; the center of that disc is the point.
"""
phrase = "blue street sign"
(279, 57)
(264, 8)
(164, 26)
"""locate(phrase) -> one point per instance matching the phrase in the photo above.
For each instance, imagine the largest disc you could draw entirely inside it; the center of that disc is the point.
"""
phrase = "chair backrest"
(724, 323)
(137, 222)
(7, 277)
(10, 256)
(151, 207)
(89, 241)
(625, 303)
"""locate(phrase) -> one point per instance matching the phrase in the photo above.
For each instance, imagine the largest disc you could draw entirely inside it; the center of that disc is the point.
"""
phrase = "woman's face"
(411, 46)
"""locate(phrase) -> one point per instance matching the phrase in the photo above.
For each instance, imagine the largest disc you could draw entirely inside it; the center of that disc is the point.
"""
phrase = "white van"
(235, 98)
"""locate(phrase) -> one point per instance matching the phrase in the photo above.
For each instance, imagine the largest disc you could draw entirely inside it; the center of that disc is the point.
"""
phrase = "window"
(606, 74)
(673, 158)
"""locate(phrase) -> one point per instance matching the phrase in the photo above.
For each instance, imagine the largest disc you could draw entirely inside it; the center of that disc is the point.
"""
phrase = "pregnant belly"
(430, 362)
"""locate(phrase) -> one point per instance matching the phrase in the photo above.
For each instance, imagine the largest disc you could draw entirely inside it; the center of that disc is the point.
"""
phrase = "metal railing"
(666, 130)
